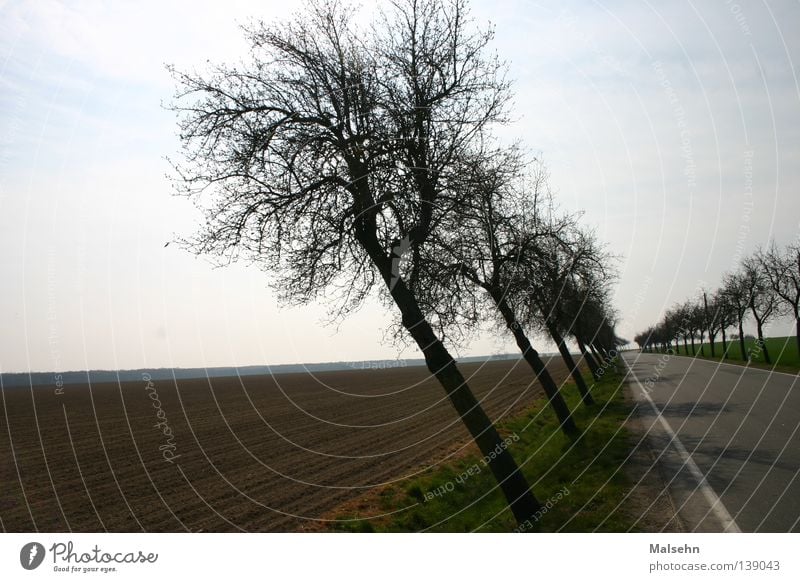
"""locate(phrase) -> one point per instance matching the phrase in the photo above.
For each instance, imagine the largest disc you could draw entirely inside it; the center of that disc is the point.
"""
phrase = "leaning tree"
(711, 319)
(328, 154)
(474, 259)
(588, 306)
(782, 269)
(736, 295)
(587, 300)
(558, 259)
(763, 301)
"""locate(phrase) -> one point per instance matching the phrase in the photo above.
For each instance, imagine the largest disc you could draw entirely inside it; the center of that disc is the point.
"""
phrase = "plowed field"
(257, 453)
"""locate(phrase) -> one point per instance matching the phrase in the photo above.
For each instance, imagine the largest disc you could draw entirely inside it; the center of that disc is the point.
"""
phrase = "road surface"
(727, 440)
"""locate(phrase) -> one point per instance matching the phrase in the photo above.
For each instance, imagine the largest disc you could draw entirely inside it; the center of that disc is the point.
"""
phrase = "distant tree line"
(764, 287)
(343, 159)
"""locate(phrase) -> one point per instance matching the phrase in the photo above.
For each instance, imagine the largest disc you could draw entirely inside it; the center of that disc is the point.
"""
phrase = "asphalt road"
(726, 433)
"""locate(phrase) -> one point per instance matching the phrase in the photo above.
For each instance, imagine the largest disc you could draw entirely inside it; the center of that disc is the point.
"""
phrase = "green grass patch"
(782, 351)
(583, 480)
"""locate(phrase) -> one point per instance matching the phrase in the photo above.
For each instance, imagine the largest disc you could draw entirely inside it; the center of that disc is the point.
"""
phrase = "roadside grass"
(583, 483)
(782, 351)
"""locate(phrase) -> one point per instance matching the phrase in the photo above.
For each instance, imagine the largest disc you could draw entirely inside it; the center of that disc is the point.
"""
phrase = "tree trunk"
(686, 346)
(523, 503)
(761, 343)
(724, 344)
(572, 367)
(711, 338)
(596, 355)
(693, 351)
(707, 320)
(590, 361)
(797, 332)
(531, 356)
(745, 355)
(518, 494)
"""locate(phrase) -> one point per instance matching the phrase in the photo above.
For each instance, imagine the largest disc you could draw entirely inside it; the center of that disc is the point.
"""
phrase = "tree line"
(764, 287)
(346, 159)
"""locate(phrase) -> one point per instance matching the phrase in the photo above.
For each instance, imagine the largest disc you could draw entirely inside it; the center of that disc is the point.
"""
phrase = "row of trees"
(766, 286)
(344, 160)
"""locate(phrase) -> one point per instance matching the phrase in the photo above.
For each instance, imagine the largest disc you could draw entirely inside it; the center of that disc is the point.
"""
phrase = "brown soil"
(648, 503)
(258, 453)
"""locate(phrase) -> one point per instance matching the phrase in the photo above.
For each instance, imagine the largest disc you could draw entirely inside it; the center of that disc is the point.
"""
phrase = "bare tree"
(737, 297)
(711, 320)
(579, 331)
(726, 317)
(782, 269)
(680, 321)
(550, 273)
(480, 250)
(574, 310)
(330, 152)
(696, 323)
(605, 340)
(762, 298)
(647, 339)
(589, 307)
(766, 285)
(671, 329)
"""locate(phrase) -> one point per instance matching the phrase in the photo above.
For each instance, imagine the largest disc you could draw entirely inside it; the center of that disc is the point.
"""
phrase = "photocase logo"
(31, 555)
(398, 251)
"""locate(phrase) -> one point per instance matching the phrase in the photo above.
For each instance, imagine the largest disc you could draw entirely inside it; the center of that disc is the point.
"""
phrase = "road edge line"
(717, 506)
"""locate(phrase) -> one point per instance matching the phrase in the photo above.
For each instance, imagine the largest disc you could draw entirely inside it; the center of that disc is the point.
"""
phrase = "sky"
(674, 127)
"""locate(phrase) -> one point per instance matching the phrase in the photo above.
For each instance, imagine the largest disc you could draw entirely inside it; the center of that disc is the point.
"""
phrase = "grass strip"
(782, 350)
(582, 484)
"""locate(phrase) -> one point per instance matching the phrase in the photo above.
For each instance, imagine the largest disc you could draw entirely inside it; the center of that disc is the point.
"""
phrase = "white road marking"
(717, 507)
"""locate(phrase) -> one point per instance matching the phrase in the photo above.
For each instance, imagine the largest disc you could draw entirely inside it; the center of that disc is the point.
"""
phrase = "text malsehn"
(66, 553)
(670, 549)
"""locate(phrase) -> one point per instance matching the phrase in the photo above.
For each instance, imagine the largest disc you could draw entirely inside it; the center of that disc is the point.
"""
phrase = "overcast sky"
(676, 128)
